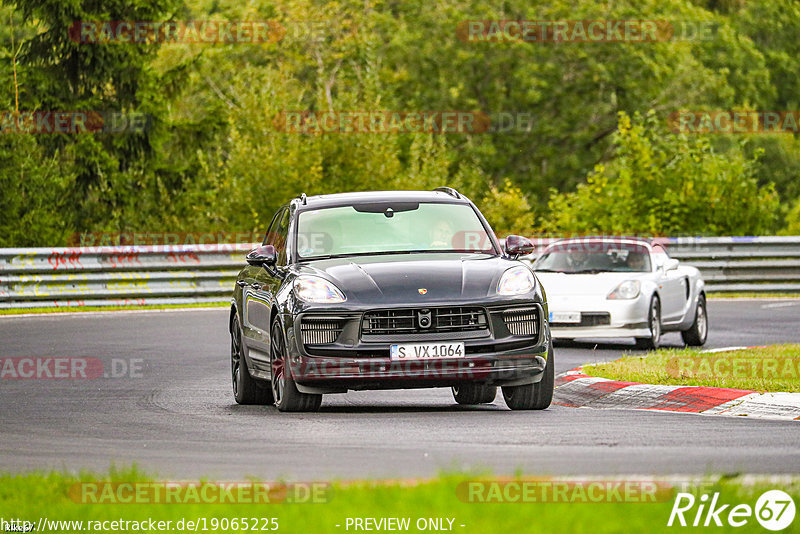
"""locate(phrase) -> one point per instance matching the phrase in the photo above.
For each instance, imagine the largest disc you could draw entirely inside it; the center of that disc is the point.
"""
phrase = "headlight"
(629, 289)
(516, 281)
(316, 289)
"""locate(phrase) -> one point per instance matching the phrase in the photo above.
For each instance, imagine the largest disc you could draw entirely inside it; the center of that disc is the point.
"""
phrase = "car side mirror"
(516, 246)
(263, 256)
(671, 264)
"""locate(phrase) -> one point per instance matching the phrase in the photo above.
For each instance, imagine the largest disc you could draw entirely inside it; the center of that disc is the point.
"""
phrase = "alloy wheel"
(236, 356)
(278, 363)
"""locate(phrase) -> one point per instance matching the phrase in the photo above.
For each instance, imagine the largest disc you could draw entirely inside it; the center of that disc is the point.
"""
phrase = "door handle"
(256, 286)
(242, 283)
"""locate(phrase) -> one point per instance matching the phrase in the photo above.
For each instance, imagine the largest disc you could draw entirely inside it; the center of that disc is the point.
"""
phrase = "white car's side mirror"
(671, 264)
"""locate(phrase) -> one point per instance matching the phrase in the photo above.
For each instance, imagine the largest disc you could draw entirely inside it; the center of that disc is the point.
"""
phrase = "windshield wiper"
(589, 271)
(325, 257)
(547, 270)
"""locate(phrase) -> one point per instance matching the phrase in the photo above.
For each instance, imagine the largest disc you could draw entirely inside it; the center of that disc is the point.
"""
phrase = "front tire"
(287, 397)
(654, 321)
(474, 393)
(537, 396)
(698, 333)
(246, 390)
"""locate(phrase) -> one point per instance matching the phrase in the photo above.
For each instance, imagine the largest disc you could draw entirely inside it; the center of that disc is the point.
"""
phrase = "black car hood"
(413, 278)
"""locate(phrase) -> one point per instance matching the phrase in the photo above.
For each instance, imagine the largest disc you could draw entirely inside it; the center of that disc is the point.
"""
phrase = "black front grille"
(407, 321)
(389, 322)
(522, 322)
(320, 331)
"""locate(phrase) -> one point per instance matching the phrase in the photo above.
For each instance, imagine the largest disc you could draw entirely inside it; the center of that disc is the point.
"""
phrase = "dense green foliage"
(663, 184)
(478, 500)
(593, 154)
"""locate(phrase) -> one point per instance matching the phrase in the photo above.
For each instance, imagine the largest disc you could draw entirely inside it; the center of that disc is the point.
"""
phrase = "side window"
(269, 238)
(282, 236)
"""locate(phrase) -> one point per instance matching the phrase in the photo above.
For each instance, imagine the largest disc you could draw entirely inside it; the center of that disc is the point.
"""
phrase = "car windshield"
(388, 227)
(593, 257)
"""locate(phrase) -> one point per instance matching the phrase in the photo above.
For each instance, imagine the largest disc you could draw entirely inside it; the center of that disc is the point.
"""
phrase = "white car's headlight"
(316, 289)
(516, 281)
(629, 289)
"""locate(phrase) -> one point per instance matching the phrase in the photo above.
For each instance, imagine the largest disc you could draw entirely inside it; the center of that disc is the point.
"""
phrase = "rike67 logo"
(774, 510)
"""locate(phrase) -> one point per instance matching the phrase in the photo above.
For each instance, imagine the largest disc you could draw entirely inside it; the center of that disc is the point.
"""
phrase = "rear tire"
(287, 397)
(654, 321)
(246, 390)
(537, 396)
(697, 334)
(474, 393)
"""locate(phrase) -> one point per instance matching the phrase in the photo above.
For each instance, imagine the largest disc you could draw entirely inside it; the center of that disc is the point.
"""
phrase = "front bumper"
(626, 318)
(498, 358)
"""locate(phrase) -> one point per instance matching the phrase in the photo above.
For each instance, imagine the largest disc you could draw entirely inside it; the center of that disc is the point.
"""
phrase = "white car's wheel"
(697, 334)
(654, 322)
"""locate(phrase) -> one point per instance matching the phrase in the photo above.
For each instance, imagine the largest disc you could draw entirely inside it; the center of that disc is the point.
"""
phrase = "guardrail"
(750, 264)
(119, 276)
(182, 274)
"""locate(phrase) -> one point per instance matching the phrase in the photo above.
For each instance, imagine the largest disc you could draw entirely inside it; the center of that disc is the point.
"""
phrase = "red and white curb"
(576, 389)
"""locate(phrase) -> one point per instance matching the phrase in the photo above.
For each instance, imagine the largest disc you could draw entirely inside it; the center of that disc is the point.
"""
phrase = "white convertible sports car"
(599, 287)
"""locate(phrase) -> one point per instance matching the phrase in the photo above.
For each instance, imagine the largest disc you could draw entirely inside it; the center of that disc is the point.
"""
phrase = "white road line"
(109, 312)
(723, 349)
(779, 305)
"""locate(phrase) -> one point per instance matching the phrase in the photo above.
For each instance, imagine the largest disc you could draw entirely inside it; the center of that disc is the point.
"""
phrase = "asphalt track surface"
(176, 416)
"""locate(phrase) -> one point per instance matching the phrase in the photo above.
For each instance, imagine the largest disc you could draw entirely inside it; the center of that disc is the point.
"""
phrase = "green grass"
(73, 309)
(773, 368)
(47, 495)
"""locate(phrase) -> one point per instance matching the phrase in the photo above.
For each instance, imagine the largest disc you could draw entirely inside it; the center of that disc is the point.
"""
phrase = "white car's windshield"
(594, 256)
(390, 227)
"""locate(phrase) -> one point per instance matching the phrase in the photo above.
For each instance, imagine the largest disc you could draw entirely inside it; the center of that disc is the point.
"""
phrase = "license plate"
(426, 351)
(565, 317)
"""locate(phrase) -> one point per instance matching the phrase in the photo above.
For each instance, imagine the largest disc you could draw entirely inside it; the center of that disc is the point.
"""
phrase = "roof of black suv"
(344, 199)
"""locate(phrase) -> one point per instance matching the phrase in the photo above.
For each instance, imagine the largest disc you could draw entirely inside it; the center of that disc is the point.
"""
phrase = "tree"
(508, 210)
(659, 183)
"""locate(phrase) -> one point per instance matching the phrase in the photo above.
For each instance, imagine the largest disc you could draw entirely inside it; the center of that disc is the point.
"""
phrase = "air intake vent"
(522, 322)
(320, 331)
(412, 321)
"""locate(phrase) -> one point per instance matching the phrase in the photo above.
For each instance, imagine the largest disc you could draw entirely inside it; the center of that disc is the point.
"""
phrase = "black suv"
(388, 290)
